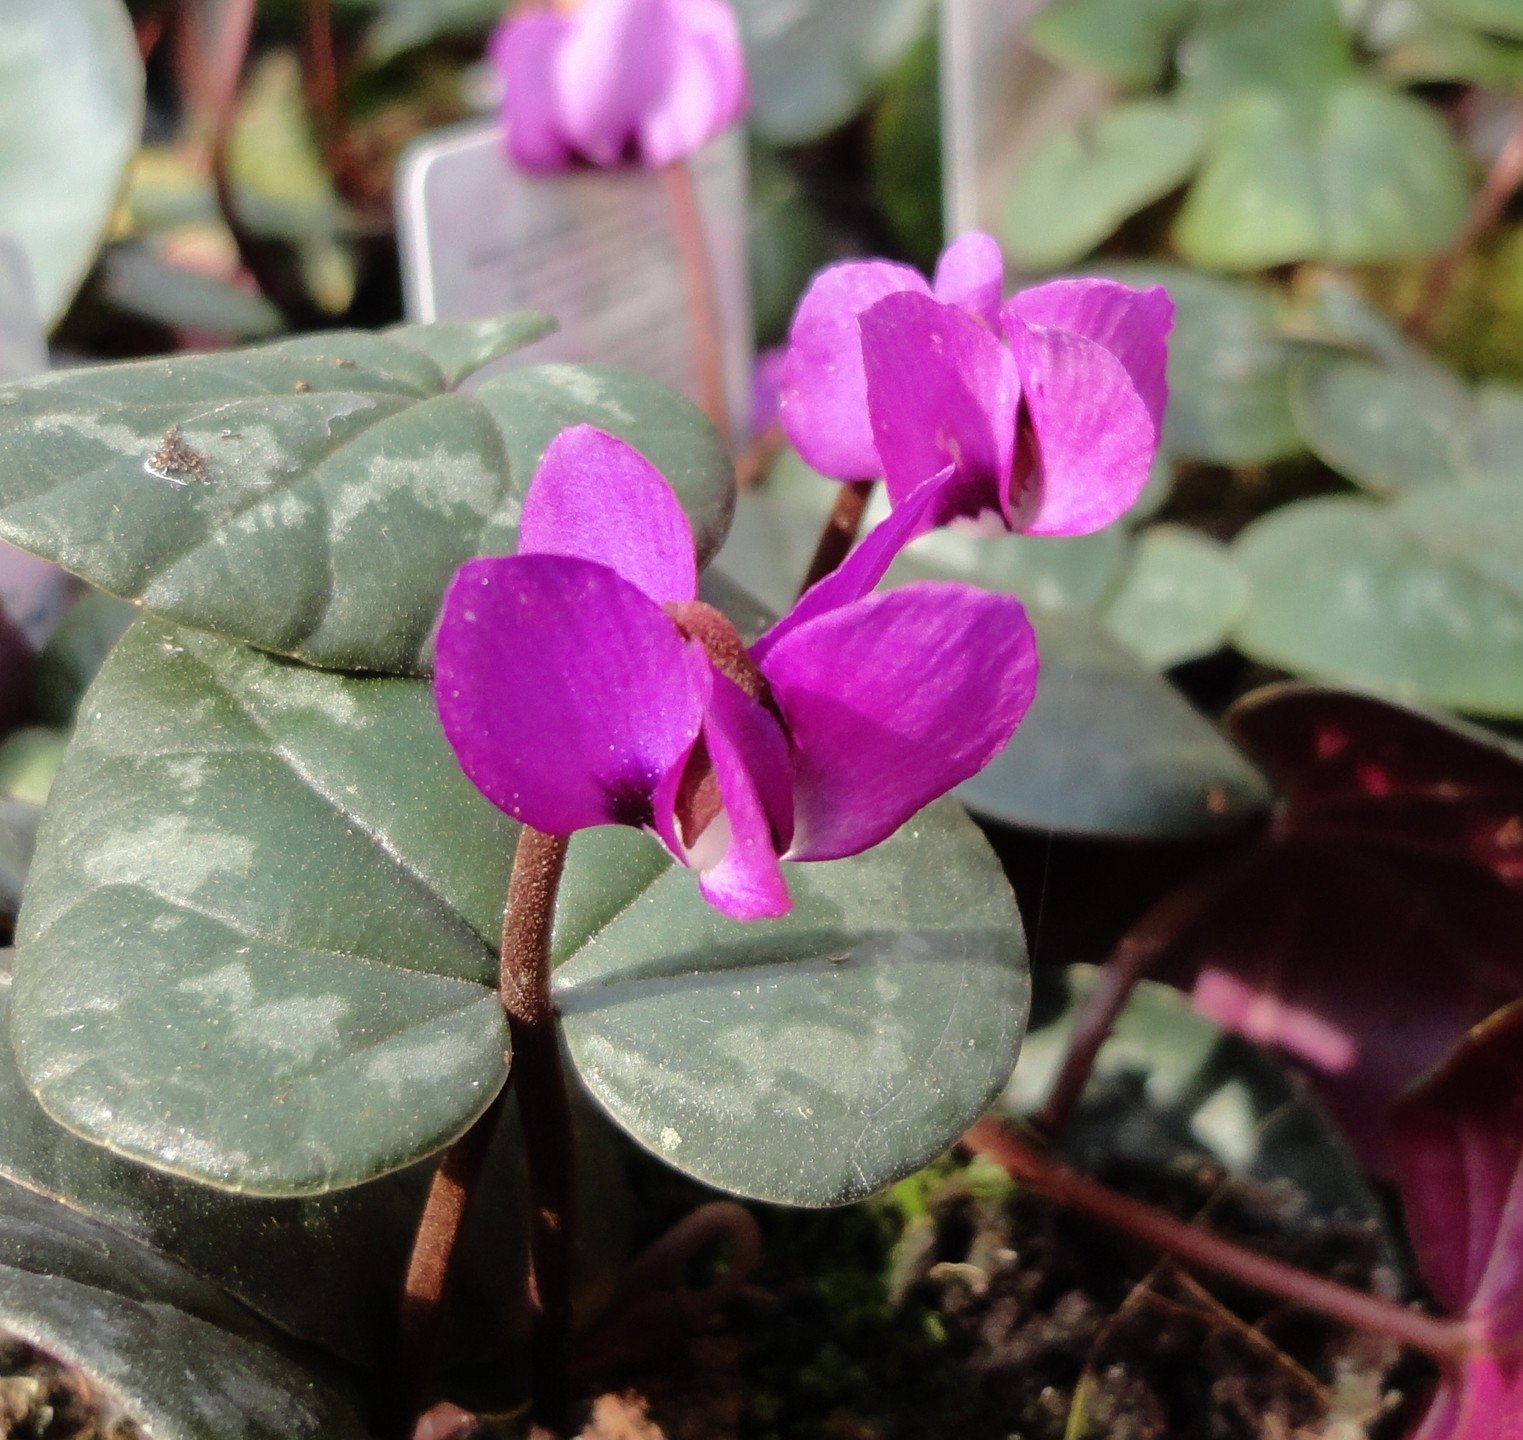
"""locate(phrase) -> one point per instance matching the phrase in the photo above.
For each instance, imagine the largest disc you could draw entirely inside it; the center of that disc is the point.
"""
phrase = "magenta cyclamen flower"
(1044, 414)
(618, 82)
(581, 682)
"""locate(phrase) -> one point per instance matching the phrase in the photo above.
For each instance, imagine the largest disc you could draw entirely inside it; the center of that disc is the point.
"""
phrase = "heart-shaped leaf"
(290, 864)
(71, 109)
(1421, 598)
(1459, 1155)
(132, 1323)
(1129, 41)
(313, 496)
(72, 656)
(1078, 188)
(1110, 748)
(324, 1269)
(1168, 1084)
(1292, 47)
(1498, 17)
(1180, 598)
(1355, 174)
(1229, 367)
(814, 63)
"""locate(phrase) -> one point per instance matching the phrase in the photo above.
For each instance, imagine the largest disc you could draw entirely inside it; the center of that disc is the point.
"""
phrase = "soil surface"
(41, 1399)
(999, 1317)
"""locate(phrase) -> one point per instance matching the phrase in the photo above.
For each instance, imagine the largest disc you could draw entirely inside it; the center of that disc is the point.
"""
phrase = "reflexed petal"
(565, 692)
(705, 89)
(868, 563)
(971, 275)
(1132, 324)
(751, 761)
(597, 497)
(894, 700)
(941, 389)
(611, 71)
(824, 397)
(524, 49)
(1093, 440)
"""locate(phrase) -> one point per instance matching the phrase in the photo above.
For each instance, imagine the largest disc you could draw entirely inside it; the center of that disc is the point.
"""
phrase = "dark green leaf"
(1355, 174)
(136, 280)
(1228, 369)
(1079, 187)
(71, 108)
(1499, 17)
(789, 241)
(1110, 748)
(1295, 47)
(814, 63)
(313, 497)
(74, 653)
(1180, 599)
(289, 864)
(813, 1060)
(18, 835)
(1169, 1084)
(28, 761)
(1421, 599)
(906, 154)
(178, 1377)
(1129, 41)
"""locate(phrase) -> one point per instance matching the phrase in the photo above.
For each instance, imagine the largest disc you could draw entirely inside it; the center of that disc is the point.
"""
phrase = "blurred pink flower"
(1044, 414)
(618, 82)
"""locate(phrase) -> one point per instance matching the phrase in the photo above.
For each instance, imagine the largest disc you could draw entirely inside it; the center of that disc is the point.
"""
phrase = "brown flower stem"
(1501, 184)
(545, 1113)
(1133, 959)
(702, 298)
(544, 1109)
(434, 1244)
(1446, 1341)
(840, 532)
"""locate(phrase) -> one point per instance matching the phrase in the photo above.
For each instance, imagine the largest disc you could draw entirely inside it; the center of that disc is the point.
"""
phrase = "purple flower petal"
(1132, 324)
(524, 49)
(892, 701)
(868, 563)
(971, 275)
(565, 692)
(1091, 440)
(598, 498)
(611, 72)
(751, 763)
(824, 393)
(704, 90)
(941, 390)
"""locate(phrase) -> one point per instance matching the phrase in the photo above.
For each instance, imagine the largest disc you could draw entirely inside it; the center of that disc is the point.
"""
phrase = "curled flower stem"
(840, 532)
(544, 1109)
(1446, 1341)
(702, 298)
(1502, 183)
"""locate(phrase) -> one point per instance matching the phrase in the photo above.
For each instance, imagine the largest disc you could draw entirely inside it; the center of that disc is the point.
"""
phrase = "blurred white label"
(596, 249)
(1000, 102)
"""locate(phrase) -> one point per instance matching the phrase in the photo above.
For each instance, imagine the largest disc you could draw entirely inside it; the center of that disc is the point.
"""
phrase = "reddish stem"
(1446, 1341)
(702, 298)
(1130, 963)
(544, 1110)
(840, 532)
(434, 1245)
(1502, 183)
